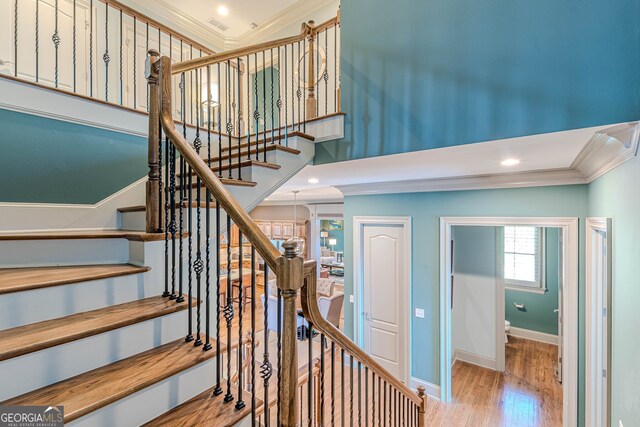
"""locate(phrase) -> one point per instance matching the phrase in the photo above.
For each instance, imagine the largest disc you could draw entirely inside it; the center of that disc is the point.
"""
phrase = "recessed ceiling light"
(222, 10)
(313, 180)
(510, 162)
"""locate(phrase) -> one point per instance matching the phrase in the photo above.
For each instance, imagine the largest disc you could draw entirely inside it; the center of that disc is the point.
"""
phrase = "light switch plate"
(620, 423)
(351, 298)
(420, 313)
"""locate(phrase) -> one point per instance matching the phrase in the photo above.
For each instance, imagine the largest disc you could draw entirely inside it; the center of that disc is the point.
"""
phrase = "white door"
(560, 302)
(385, 295)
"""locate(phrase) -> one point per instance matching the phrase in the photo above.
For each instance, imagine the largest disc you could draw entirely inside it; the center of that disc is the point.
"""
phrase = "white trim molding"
(476, 359)
(597, 399)
(430, 389)
(533, 335)
(570, 237)
(359, 222)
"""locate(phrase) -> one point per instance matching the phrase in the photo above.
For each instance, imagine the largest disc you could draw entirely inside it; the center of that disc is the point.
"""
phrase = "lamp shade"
(324, 234)
(333, 242)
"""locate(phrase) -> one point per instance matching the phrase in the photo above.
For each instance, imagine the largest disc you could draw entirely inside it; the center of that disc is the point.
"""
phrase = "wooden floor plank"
(205, 410)
(24, 279)
(38, 336)
(95, 389)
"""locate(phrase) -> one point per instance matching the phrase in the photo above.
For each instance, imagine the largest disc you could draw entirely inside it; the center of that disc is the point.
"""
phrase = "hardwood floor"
(526, 394)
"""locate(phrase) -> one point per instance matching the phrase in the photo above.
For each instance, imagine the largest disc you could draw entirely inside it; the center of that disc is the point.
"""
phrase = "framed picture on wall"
(335, 224)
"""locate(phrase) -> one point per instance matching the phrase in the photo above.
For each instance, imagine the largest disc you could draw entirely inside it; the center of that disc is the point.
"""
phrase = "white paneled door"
(385, 295)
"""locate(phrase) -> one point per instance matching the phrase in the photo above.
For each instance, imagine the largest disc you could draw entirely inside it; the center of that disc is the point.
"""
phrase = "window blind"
(521, 260)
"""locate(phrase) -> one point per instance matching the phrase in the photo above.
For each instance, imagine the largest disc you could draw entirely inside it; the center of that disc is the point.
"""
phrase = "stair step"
(29, 278)
(132, 235)
(143, 208)
(253, 151)
(244, 163)
(87, 392)
(229, 181)
(38, 336)
(206, 410)
(269, 139)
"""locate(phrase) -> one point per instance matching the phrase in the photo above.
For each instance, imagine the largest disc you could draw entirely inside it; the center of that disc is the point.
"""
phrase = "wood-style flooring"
(526, 394)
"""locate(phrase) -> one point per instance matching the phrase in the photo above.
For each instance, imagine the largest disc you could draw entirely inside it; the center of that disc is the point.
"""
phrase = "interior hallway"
(526, 394)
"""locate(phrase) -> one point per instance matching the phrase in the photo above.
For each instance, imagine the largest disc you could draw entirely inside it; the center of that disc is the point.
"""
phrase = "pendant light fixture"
(300, 242)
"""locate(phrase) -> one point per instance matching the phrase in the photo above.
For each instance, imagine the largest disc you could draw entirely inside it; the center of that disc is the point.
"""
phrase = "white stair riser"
(133, 221)
(147, 404)
(22, 308)
(40, 253)
(35, 370)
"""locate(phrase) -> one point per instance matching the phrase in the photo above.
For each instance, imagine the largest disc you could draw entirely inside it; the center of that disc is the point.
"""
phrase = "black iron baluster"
(15, 39)
(135, 62)
(91, 50)
(181, 204)
(286, 101)
(256, 113)
(366, 396)
(310, 375)
(373, 398)
(218, 388)
(272, 121)
(305, 77)
(236, 122)
(248, 116)
(172, 225)
(207, 342)
(253, 329)
(342, 395)
(279, 103)
(264, 106)
(351, 390)
(229, 127)
(240, 403)
(105, 56)
(166, 215)
(384, 404)
(189, 207)
(38, 36)
(56, 42)
(335, 68)
(299, 92)
(380, 401)
(121, 69)
(333, 383)
(266, 369)
(191, 76)
(147, 49)
(198, 265)
(228, 311)
(325, 75)
(359, 393)
(322, 367)
(279, 346)
(219, 126)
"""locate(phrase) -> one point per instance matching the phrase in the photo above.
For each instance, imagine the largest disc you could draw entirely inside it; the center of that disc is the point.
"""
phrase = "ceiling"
(570, 154)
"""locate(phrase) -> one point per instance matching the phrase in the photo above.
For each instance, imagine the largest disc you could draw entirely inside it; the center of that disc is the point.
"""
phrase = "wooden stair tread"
(28, 278)
(269, 139)
(206, 409)
(49, 333)
(143, 208)
(253, 151)
(243, 163)
(95, 389)
(137, 236)
(228, 181)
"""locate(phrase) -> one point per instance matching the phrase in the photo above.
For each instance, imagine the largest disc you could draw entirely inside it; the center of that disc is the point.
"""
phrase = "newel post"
(422, 421)
(311, 75)
(290, 275)
(154, 192)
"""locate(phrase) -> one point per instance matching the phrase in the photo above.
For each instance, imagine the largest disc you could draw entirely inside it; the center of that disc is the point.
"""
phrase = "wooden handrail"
(222, 195)
(307, 29)
(311, 312)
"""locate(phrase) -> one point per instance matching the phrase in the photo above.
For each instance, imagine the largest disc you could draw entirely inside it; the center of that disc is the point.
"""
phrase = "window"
(524, 258)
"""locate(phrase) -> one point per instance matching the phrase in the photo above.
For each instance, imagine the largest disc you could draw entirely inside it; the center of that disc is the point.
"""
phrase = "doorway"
(568, 232)
(382, 274)
(598, 341)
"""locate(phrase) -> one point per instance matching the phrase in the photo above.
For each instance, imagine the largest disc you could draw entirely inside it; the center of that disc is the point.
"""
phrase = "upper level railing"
(201, 260)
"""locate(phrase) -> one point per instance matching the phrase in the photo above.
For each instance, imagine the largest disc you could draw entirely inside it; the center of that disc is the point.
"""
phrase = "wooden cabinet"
(287, 230)
(276, 230)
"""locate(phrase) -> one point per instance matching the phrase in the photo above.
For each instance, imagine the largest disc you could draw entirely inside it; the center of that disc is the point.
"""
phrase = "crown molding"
(605, 151)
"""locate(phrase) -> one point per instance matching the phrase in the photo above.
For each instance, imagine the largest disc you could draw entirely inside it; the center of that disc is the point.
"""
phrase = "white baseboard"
(432, 390)
(474, 359)
(534, 335)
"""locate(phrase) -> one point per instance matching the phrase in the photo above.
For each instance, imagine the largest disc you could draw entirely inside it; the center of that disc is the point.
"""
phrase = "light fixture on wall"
(300, 242)
(324, 235)
(333, 242)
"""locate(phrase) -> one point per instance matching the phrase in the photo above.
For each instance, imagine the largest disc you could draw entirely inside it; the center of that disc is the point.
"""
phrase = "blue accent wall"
(539, 315)
(616, 195)
(335, 234)
(425, 209)
(435, 73)
(51, 161)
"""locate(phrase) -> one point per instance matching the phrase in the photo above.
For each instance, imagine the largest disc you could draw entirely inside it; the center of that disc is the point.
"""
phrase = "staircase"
(159, 322)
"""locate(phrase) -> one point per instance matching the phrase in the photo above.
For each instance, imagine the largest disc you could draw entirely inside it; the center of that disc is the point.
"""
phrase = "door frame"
(593, 226)
(570, 234)
(359, 222)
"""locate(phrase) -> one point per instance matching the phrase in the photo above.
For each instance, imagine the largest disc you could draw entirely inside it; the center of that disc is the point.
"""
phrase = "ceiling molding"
(605, 151)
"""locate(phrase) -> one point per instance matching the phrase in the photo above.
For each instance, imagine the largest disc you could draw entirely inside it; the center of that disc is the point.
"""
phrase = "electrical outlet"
(351, 299)
(420, 313)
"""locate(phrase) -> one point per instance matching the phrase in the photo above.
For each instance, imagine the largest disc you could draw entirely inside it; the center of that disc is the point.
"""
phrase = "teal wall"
(616, 195)
(50, 161)
(433, 73)
(262, 84)
(474, 250)
(539, 315)
(337, 234)
(425, 209)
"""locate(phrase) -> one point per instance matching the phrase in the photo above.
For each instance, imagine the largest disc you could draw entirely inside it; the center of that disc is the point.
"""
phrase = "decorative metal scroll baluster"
(351, 389)
(253, 320)
(182, 191)
(56, 42)
(266, 369)
(322, 368)
(279, 102)
(135, 62)
(189, 206)
(198, 264)
(37, 37)
(366, 396)
(229, 312)
(286, 100)
(15, 38)
(219, 129)
(167, 218)
(105, 56)
(256, 113)
(207, 342)
(229, 119)
(240, 403)
(218, 388)
(147, 48)
(264, 107)
(325, 75)
(310, 377)
(121, 68)
(335, 67)
(359, 393)
(279, 344)
(298, 91)
(304, 76)
(272, 110)
(236, 93)
(248, 119)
